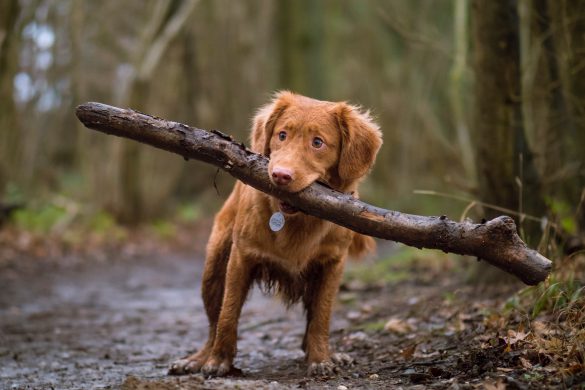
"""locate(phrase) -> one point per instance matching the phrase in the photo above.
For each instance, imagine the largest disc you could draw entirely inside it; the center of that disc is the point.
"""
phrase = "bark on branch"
(494, 241)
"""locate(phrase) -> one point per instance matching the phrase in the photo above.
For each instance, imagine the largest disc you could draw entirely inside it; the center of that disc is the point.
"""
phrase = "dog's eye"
(282, 135)
(317, 142)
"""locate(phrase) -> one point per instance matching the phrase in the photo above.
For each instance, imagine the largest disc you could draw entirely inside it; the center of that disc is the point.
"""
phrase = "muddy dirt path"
(92, 326)
(119, 323)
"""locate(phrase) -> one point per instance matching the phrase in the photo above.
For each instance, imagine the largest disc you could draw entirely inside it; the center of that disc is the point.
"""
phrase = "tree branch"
(160, 44)
(494, 241)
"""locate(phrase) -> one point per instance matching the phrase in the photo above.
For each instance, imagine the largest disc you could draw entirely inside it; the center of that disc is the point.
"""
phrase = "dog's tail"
(361, 245)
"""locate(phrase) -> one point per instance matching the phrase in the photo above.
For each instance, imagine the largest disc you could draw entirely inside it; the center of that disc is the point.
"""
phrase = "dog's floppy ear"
(360, 141)
(265, 120)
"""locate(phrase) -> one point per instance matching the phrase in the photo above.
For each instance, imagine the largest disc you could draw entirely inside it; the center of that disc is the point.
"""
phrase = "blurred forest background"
(482, 108)
(483, 101)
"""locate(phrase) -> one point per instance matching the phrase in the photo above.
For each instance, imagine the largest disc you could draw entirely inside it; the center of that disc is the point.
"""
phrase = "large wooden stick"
(495, 241)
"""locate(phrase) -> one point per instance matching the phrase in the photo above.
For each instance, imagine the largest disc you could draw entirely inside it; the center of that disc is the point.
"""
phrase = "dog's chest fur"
(302, 240)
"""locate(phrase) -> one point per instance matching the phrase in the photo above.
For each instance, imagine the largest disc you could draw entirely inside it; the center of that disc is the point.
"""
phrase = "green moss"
(164, 229)
(39, 219)
(189, 212)
(373, 326)
(101, 222)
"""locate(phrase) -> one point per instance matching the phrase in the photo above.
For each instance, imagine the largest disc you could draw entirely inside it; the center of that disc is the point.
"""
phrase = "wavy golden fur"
(306, 140)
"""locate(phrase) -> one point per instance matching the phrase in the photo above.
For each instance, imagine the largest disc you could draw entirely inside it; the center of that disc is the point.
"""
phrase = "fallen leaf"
(491, 385)
(408, 352)
(540, 328)
(525, 363)
(397, 325)
(514, 337)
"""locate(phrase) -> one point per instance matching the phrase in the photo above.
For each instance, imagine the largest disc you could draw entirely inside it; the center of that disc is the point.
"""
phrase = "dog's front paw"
(188, 365)
(325, 368)
(216, 367)
(330, 367)
(342, 359)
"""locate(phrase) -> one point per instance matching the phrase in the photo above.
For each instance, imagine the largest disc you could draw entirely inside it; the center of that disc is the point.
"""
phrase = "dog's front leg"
(237, 284)
(319, 301)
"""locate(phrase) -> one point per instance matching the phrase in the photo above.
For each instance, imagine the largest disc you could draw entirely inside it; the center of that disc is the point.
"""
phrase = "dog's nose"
(281, 176)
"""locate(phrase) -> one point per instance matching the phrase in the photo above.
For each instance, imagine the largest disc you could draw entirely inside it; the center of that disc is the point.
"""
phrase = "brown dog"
(306, 140)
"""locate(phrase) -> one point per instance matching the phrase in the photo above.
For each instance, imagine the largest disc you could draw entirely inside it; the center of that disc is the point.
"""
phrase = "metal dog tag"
(276, 222)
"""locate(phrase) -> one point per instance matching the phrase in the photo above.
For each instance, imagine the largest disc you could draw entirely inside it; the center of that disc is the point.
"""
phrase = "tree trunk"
(457, 88)
(301, 53)
(165, 26)
(572, 23)
(506, 173)
(495, 241)
(550, 130)
(9, 132)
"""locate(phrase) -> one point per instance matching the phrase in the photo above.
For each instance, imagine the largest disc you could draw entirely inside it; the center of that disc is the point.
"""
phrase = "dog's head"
(309, 140)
